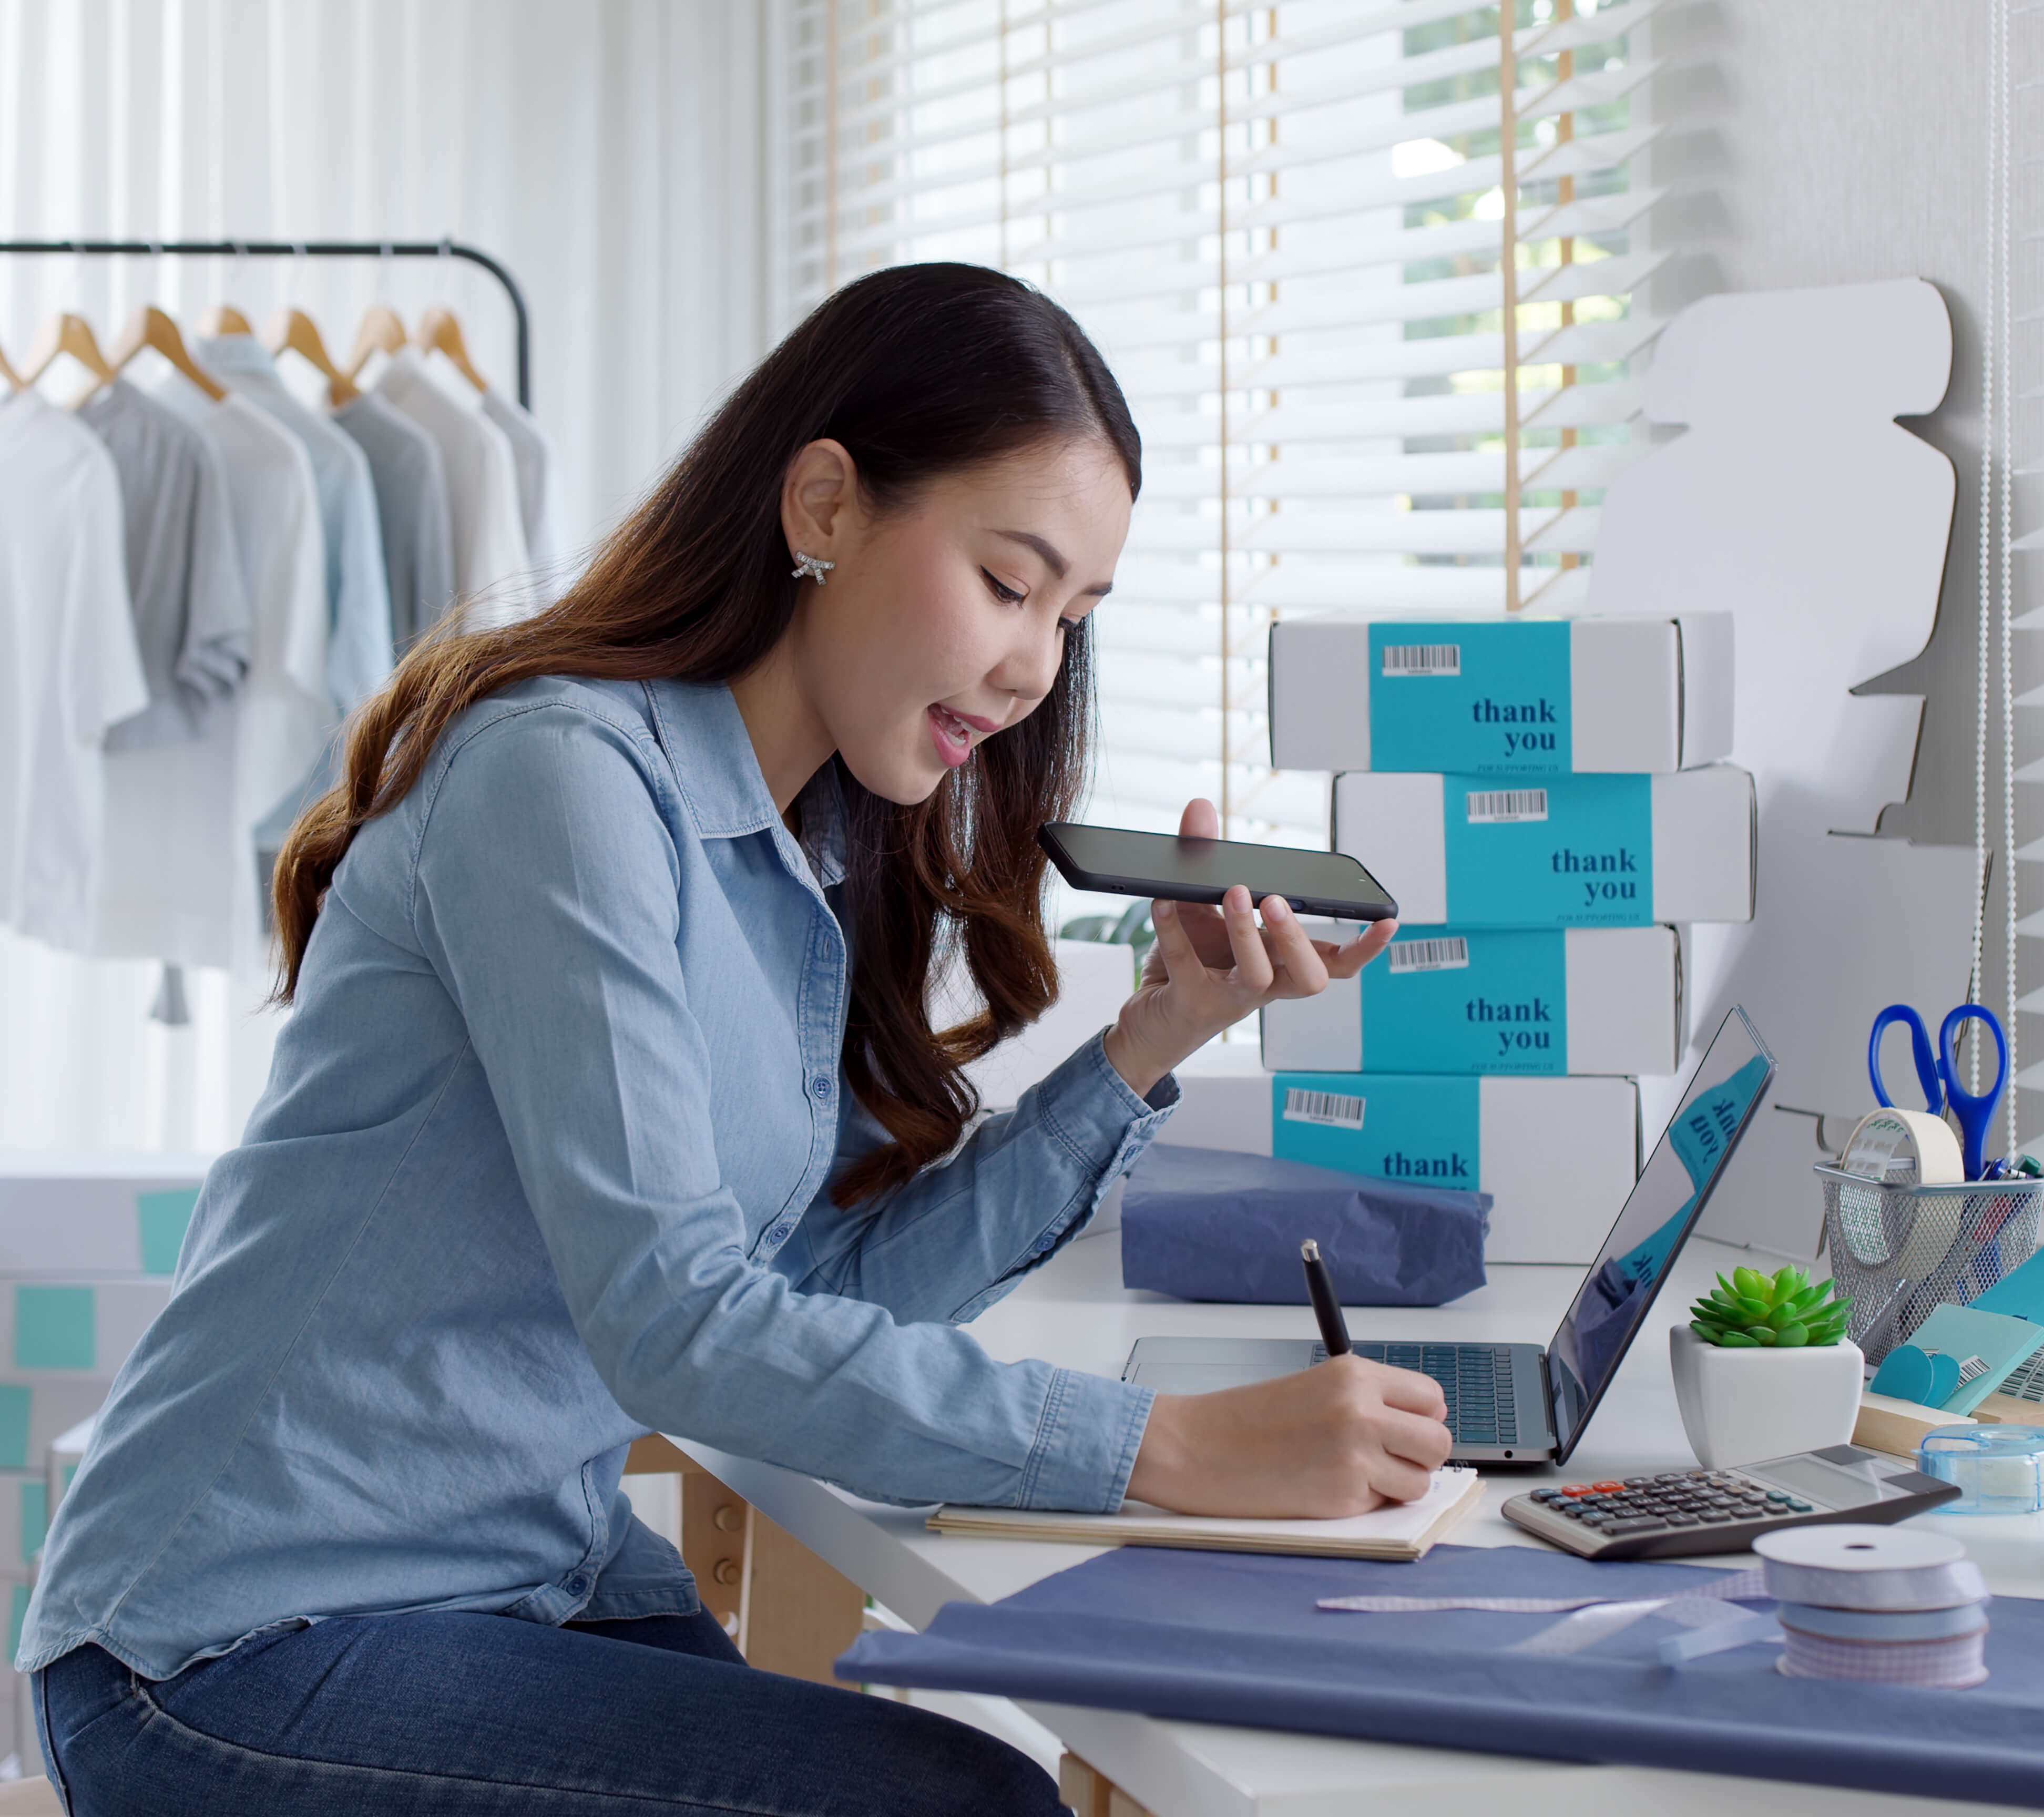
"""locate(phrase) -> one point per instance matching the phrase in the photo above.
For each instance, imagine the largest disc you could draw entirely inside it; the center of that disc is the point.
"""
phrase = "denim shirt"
(542, 1165)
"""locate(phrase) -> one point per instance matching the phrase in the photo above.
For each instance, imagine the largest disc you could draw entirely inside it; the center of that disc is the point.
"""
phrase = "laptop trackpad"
(1200, 1365)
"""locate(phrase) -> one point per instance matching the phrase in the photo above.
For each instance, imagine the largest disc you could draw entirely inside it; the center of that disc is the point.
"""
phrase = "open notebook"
(1402, 1531)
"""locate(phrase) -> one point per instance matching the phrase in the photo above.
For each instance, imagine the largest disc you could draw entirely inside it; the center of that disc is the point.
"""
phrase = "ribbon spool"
(1877, 1604)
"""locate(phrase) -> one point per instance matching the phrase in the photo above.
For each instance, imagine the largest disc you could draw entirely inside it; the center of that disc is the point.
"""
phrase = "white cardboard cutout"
(1795, 502)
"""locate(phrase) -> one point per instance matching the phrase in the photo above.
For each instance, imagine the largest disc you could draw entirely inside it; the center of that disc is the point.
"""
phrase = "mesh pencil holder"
(1900, 1250)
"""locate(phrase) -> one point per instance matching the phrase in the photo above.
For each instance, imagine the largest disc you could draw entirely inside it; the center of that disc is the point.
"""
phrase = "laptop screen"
(1583, 1355)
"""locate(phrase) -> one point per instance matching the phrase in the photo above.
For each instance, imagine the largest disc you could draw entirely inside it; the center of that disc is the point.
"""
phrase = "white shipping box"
(95, 1214)
(1560, 851)
(1497, 695)
(1558, 1156)
(1528, 1001)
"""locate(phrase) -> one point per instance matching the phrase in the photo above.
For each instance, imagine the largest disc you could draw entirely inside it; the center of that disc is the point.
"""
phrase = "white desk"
(1075, 1311)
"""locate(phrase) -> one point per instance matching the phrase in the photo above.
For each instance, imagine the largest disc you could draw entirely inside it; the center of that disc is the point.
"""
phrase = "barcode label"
(1333, 1107)
(1498, 804)
(1450, 953)
(1423, 659)
(1971, 1369)
(2027, 1382)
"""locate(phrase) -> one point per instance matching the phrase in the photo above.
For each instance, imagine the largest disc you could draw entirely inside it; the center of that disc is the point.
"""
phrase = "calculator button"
(1637, 1523)
(1608, 1488)
(1799, 1507)
(1575, 1489)
(1678, 1519)
(1777, 1496)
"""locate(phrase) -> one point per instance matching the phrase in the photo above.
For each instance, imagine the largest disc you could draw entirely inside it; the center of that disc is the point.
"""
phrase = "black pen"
(1327, 1309)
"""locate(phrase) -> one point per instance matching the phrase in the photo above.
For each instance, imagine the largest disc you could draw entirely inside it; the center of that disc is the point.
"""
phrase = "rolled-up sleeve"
(547, 894)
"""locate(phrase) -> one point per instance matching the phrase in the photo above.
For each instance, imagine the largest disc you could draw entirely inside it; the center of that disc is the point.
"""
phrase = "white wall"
(1835, 141)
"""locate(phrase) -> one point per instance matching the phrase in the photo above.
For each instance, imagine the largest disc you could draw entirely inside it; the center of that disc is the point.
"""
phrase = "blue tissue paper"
(1202, 1223)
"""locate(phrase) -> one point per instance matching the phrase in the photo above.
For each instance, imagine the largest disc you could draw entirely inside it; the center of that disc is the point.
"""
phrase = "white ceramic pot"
(1739, 1406)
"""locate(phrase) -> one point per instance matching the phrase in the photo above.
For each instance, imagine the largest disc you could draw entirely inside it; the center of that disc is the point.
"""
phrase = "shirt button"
(578, 1586)
(820, 1084)
(779, 1233)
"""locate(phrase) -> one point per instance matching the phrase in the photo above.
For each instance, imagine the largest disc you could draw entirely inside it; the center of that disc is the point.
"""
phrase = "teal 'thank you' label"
(1481, 1000)
(1489, 698)
(161, 1219)
(54, 1327)
(1393, 1126)
(1569, 852)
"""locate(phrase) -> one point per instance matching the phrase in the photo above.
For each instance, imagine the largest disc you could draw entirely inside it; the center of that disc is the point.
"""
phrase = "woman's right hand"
(1341, 1438)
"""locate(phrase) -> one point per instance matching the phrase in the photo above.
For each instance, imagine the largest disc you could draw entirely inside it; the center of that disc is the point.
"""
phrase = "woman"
(610, 1103)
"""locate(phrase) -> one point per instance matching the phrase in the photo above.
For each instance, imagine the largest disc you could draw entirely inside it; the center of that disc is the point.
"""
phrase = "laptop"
(1529, 1404)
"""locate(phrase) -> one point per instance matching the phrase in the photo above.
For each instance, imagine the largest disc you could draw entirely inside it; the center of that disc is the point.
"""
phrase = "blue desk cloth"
(1204, 1224)
(1220, 1637)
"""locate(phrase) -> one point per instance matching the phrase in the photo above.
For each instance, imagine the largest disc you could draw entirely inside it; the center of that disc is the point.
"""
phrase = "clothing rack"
(312, 249)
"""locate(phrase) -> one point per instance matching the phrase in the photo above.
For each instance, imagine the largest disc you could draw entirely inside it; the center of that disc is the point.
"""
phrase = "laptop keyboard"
(1475, 1379)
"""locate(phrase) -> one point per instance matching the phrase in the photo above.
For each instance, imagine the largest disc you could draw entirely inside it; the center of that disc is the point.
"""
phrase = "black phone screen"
(1169, 864)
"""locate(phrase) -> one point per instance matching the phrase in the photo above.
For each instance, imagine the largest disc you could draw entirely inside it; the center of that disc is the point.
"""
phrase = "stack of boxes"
(1545, 800)
(88, 1248)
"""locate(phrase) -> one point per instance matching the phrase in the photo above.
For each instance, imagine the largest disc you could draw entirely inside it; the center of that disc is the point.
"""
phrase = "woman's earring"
(814, 567)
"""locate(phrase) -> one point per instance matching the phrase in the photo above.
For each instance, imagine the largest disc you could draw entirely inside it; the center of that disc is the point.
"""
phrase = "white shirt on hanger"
(489, 547)
(69, 666)
(180, 878)
(534, 456)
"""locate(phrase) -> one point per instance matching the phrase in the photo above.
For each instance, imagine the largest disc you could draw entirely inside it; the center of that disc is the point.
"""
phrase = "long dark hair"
(920, 370)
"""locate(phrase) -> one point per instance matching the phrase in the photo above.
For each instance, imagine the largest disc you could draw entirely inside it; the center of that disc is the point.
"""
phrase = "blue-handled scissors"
(1938, 1071)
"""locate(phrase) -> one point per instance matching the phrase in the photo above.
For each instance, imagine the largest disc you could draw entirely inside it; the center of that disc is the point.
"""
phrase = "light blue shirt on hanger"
(542, 1165)
(358, 647)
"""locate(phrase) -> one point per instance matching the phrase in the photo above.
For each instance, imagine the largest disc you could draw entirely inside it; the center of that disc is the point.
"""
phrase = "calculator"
(1684, 1511)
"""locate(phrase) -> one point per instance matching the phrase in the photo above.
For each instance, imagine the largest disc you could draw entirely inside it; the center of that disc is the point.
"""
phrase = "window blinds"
(1286, 225)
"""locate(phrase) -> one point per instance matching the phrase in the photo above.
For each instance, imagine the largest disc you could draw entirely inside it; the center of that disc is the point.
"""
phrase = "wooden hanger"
(439, 332)
(223, 318)
(70, 334)
(8, 373)
(295, 329)
(382, 331)
(150, 327)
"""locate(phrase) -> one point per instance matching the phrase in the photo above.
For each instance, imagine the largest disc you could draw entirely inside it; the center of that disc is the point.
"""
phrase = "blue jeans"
(461, 1715)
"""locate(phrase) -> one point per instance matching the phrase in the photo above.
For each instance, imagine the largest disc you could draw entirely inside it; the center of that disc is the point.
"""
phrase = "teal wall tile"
(163, 1217)
(54, 1327)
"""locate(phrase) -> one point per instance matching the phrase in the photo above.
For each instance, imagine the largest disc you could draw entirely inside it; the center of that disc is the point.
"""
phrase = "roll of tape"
(1905, 1148)
(1847, 1566)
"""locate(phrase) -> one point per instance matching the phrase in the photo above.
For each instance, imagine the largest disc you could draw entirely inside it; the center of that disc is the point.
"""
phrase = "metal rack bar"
(313, 249)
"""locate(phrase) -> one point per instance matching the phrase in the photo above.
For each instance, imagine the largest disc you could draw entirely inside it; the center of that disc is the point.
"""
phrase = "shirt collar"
(235, 353)
(721, 781)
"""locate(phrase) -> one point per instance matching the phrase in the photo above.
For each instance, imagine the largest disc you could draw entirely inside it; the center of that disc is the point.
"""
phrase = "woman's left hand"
(1211, 968)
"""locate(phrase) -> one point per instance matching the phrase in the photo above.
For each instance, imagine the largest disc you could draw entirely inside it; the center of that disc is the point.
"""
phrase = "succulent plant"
(1782, 1311)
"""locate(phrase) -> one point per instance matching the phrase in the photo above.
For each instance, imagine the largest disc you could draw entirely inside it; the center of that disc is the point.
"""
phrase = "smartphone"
(1182, 870)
